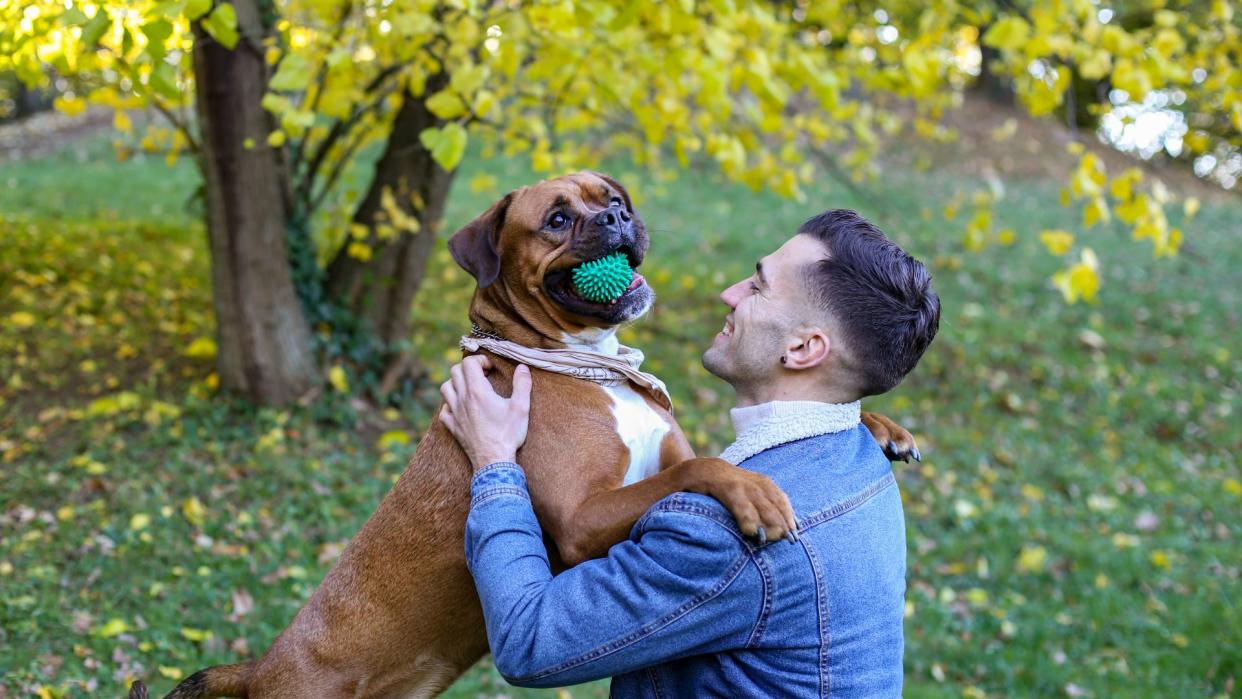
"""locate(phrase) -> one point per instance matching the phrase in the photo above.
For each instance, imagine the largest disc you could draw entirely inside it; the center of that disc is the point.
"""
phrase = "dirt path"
(47, 132)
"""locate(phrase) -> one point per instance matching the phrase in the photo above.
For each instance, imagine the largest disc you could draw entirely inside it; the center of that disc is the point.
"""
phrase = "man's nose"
(732, 295)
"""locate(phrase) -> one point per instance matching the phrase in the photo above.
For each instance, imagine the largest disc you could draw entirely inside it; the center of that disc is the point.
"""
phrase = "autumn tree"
(275, 99)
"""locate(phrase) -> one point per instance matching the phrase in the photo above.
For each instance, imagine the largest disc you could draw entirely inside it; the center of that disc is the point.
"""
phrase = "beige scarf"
(603, 369)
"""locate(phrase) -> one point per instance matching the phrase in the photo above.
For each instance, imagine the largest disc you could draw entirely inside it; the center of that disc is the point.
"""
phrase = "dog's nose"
(612, 217)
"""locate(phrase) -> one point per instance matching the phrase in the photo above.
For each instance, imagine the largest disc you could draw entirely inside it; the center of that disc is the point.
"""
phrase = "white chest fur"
(639, 426)
(641, 429)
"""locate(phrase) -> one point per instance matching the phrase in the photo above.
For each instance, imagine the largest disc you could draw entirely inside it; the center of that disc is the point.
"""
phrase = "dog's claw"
(792, 537)
(762, 536)
(915, 453)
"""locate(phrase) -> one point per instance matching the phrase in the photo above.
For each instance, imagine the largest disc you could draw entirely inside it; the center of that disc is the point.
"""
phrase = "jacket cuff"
(502, 478)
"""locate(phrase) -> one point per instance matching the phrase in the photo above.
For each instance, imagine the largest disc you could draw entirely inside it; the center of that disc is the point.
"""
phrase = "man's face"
(763, 309)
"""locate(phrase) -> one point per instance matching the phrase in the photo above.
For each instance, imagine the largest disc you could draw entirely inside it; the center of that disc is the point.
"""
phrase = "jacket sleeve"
(682, 585)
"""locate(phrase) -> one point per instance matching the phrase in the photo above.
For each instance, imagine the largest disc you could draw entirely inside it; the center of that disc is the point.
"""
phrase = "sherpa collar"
(761, 427)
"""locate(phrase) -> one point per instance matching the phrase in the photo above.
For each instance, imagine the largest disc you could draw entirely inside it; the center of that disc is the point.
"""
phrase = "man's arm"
(684, 586)
(605, 519)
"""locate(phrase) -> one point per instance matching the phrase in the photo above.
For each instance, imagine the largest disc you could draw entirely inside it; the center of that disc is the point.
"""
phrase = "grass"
(1072, 531)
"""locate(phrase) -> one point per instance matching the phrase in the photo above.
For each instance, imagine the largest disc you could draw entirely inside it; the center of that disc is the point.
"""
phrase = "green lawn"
(1072, 530)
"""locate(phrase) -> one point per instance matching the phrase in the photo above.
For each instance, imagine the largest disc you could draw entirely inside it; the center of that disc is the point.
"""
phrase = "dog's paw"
(137, 690)
(898, 444)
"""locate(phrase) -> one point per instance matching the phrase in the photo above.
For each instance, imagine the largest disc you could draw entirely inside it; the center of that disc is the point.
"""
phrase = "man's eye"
(557, 220)
(754, 288)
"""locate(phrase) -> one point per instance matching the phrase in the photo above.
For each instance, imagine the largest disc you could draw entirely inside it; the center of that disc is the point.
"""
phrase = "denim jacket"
(689, 607)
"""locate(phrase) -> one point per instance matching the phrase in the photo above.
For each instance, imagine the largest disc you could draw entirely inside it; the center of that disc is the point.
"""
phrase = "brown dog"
(397, 616)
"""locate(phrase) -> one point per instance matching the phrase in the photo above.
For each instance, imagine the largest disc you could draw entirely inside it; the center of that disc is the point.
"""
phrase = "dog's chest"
(640, 428)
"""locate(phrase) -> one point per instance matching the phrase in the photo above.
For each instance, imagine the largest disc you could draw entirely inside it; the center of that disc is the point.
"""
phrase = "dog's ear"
(617, 186)
(475, 246)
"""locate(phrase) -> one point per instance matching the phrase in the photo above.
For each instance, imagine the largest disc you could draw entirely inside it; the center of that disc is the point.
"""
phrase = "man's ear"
(617, 186)
(809, 347)
(475, 246)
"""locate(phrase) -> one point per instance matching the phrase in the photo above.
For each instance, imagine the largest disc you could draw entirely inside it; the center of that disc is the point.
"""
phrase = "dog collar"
(597, 367)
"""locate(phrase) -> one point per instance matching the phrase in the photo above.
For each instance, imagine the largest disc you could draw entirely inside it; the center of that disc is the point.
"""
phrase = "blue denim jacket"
(689, 607)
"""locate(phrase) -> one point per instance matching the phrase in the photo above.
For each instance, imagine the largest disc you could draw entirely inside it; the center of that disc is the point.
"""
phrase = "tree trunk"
(264, 342)
(996, 87)
(379, 291)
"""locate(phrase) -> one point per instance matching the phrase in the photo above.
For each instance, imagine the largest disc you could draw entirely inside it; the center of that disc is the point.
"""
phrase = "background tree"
(288, 94)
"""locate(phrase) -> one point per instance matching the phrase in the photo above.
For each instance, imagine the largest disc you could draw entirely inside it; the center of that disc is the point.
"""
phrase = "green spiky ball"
(604, 279)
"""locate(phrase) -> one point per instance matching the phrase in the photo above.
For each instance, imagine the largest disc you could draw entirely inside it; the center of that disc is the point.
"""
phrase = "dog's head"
(524, 248)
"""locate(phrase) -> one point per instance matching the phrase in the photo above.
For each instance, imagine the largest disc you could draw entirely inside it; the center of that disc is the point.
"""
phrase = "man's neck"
(758, 395)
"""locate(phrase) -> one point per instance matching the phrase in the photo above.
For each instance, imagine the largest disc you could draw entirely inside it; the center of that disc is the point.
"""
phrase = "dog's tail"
(218, 681)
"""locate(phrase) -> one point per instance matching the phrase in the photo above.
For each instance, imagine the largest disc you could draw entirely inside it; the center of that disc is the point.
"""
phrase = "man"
(687, 606)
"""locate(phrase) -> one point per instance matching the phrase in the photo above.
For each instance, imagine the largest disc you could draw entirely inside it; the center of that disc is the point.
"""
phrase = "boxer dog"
(397, 615)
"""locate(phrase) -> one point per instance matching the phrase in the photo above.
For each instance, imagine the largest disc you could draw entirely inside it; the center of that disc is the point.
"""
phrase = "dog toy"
(604, 279)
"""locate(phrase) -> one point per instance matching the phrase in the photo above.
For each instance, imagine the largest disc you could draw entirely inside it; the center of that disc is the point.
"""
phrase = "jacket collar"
(761, 427)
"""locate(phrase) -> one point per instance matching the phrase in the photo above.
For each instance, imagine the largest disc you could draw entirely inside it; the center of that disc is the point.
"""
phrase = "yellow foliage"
(1058, 242)
(1032, 559)
(193, 510)
(336, 377)
(1081, 281)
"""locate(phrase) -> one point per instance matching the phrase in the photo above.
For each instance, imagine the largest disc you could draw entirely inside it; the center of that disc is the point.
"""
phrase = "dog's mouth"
(631, 303)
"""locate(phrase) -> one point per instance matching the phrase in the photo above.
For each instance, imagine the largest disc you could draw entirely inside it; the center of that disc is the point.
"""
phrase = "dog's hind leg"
(218, 681)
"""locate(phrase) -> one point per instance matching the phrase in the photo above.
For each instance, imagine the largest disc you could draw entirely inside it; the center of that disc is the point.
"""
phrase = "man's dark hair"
(878, 295)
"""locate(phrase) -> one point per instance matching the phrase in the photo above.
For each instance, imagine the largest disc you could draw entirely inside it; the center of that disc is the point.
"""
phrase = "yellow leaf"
(483, 182)
(196, 635)
(1190, 207)
(1058, 242)
(1081, 280)
(359, 251)
(121, 122)
(1122, 187)
(1094, 212)
(1096, 66)
(446, 105)
(1160, 559)
(276, 139)
(21, 319)
(139, 521)
(447, 145)
(172, 673)
(201, 348)
(336, 377)
(194, 511)
(69, 106)
(1009, 34)
(114, 627)
(1032, 559)
(394, 437)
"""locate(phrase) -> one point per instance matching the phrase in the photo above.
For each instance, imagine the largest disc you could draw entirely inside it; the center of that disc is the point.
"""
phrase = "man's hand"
(488, 427)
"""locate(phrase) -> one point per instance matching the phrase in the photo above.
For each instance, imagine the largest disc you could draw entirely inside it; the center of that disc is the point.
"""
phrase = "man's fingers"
(446, 417)
(458, 379)
(484, 361)
(475, 380)
(448, 393)
(521, 386)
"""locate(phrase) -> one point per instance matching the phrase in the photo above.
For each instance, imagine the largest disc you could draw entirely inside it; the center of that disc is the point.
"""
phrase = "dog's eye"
(557, 221)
